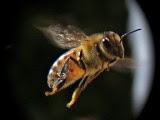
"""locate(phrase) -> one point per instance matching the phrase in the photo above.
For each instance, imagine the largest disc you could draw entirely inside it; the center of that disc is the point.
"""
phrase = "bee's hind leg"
(48, 93)
(83, 83)
(77, 92)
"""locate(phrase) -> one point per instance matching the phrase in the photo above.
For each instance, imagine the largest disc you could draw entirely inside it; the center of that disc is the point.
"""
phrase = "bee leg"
(110, 63)
(81, 63)
(48, 93)
(108, 67)
(77, 92)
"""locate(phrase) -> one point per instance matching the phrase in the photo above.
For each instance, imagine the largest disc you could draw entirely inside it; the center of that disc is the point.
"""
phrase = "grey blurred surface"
(143, 54)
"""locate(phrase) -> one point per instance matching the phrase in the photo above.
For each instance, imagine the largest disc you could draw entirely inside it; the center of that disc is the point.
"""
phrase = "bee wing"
(125, 65)
(64, 37)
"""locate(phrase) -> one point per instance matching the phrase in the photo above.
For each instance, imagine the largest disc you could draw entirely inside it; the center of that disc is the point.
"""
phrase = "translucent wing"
(64, 37)
(125, 65)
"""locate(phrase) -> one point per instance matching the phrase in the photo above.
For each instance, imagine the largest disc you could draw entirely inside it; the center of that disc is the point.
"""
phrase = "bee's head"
(113, 45)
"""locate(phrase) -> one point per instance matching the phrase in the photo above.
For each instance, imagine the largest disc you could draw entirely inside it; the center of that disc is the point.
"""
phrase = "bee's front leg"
(110, 63)
(77, 92)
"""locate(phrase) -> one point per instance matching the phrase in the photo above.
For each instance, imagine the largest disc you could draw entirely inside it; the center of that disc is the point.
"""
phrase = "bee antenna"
(128, 34)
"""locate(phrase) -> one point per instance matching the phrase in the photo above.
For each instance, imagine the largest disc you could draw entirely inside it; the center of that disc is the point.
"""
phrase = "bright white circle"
(143, 54)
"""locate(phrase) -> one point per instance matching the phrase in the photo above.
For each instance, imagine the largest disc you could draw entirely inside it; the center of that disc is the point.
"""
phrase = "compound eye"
(106, 44)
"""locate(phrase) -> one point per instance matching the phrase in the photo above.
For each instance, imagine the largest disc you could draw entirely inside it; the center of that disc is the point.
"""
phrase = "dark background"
(17, 36)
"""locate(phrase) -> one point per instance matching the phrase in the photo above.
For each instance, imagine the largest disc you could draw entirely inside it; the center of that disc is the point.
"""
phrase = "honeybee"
(86, 58)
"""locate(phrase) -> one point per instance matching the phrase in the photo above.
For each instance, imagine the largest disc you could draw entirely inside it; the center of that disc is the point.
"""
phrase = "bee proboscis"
(87, 57)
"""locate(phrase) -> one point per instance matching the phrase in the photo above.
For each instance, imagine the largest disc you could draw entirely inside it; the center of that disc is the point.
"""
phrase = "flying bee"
(86, 58)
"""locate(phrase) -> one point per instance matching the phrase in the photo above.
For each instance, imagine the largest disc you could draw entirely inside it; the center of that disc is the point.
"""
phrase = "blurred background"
(29, 55)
